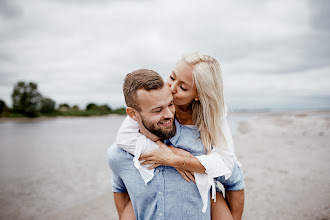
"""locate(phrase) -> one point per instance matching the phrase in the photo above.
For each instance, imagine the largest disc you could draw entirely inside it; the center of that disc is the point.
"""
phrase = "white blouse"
(216, 164)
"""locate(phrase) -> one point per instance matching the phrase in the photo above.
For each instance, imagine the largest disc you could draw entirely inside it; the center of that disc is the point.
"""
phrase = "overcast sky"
(274, 54)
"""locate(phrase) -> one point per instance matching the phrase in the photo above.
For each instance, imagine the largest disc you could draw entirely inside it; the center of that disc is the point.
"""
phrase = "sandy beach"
(286, 165)
(285, 159)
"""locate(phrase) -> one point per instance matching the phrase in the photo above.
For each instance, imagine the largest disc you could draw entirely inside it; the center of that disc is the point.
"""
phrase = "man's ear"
(134, 114)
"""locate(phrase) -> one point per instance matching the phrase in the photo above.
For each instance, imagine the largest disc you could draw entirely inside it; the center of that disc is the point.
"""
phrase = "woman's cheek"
(175, 99)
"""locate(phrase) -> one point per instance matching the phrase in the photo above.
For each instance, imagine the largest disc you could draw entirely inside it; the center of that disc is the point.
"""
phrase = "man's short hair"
(140, 79)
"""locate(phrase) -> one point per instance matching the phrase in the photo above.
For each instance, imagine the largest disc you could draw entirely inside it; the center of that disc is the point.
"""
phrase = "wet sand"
(285, 159)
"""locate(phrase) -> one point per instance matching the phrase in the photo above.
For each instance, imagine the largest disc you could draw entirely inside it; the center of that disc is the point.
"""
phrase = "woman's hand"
(180, 152)
(168, 156)
(186, 174)
(163, 156)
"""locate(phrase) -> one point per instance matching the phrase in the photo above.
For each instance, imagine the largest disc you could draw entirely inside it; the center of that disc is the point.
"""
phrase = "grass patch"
(71, 113)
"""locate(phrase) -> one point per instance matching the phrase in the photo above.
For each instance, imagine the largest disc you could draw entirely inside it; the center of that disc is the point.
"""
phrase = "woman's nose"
(173, 88)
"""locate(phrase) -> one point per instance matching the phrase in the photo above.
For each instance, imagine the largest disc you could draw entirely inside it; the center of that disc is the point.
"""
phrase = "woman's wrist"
(178, 161)
(184, 163)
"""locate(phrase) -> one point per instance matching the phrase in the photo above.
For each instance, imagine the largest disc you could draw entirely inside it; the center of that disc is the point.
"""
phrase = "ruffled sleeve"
(214, 167)
(216, 164)
(143, 145)
(127, 135)
(228, 153)
(131, 140)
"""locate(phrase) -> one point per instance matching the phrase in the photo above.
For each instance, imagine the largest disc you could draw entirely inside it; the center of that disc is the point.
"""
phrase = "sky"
(274, 54)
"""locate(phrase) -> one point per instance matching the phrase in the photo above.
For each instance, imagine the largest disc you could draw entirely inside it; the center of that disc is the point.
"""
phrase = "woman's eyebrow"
(185, 83)
(173, 72)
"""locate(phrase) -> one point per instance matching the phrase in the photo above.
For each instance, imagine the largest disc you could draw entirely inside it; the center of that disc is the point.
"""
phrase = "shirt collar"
(175, 138)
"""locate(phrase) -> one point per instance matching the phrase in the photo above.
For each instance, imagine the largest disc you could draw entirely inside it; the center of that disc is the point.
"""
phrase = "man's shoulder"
(113, 149)
(188, 132)
(188, 138)
(117, 155)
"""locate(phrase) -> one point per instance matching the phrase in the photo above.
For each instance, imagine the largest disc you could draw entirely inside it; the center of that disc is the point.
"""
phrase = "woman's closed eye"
(183, 88)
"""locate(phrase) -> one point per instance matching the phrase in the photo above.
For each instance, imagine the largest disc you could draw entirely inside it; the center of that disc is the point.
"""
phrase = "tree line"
(29, 102)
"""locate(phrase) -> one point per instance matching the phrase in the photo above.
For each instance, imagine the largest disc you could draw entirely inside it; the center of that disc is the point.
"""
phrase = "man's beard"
(159, 132)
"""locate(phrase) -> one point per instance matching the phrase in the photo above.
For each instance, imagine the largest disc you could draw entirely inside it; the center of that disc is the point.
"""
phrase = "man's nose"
(168, 113)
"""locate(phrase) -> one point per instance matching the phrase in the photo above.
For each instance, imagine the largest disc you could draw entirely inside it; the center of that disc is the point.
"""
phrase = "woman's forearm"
(189, 163)
(185, 160)
(172, 156)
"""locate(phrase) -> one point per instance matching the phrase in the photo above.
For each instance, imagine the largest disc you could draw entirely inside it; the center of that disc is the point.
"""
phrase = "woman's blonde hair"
(210, 109)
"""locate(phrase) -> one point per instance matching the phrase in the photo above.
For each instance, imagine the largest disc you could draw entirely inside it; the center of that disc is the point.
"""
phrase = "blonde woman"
(197, 88)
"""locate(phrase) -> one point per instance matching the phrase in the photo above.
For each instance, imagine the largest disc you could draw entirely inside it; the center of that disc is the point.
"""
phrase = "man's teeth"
(166, 122)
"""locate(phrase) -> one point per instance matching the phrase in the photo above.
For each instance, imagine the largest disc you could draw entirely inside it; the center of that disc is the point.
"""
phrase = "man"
(167, 195)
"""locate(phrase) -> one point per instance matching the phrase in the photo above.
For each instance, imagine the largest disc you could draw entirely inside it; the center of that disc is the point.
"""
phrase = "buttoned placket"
(160, 196)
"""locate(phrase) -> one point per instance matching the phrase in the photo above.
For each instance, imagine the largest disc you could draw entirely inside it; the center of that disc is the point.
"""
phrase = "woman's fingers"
(190, 175)
(147, 162)
(153, 153)
(183, 174)
(153, 166)
(145, 156)
(161, 144)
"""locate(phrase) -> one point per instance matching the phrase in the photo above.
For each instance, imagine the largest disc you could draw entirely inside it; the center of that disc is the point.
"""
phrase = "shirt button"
(159, 192)
(158, 171)
(160, 214)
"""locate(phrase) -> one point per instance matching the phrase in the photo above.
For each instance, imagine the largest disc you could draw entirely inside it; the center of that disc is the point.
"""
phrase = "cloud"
(320, 15)
(80, 51)
(9, 10)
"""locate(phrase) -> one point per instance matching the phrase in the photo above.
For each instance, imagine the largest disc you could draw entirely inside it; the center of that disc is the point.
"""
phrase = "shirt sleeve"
(127, 135)
(114, 164)
(143, 145)
(117, 184)
(220, 164)
(131, 140)
(214, 164)
(228, 153)
(214, 167)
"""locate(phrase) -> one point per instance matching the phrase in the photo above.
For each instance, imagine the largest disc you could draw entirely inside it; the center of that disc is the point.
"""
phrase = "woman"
(197, 88)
